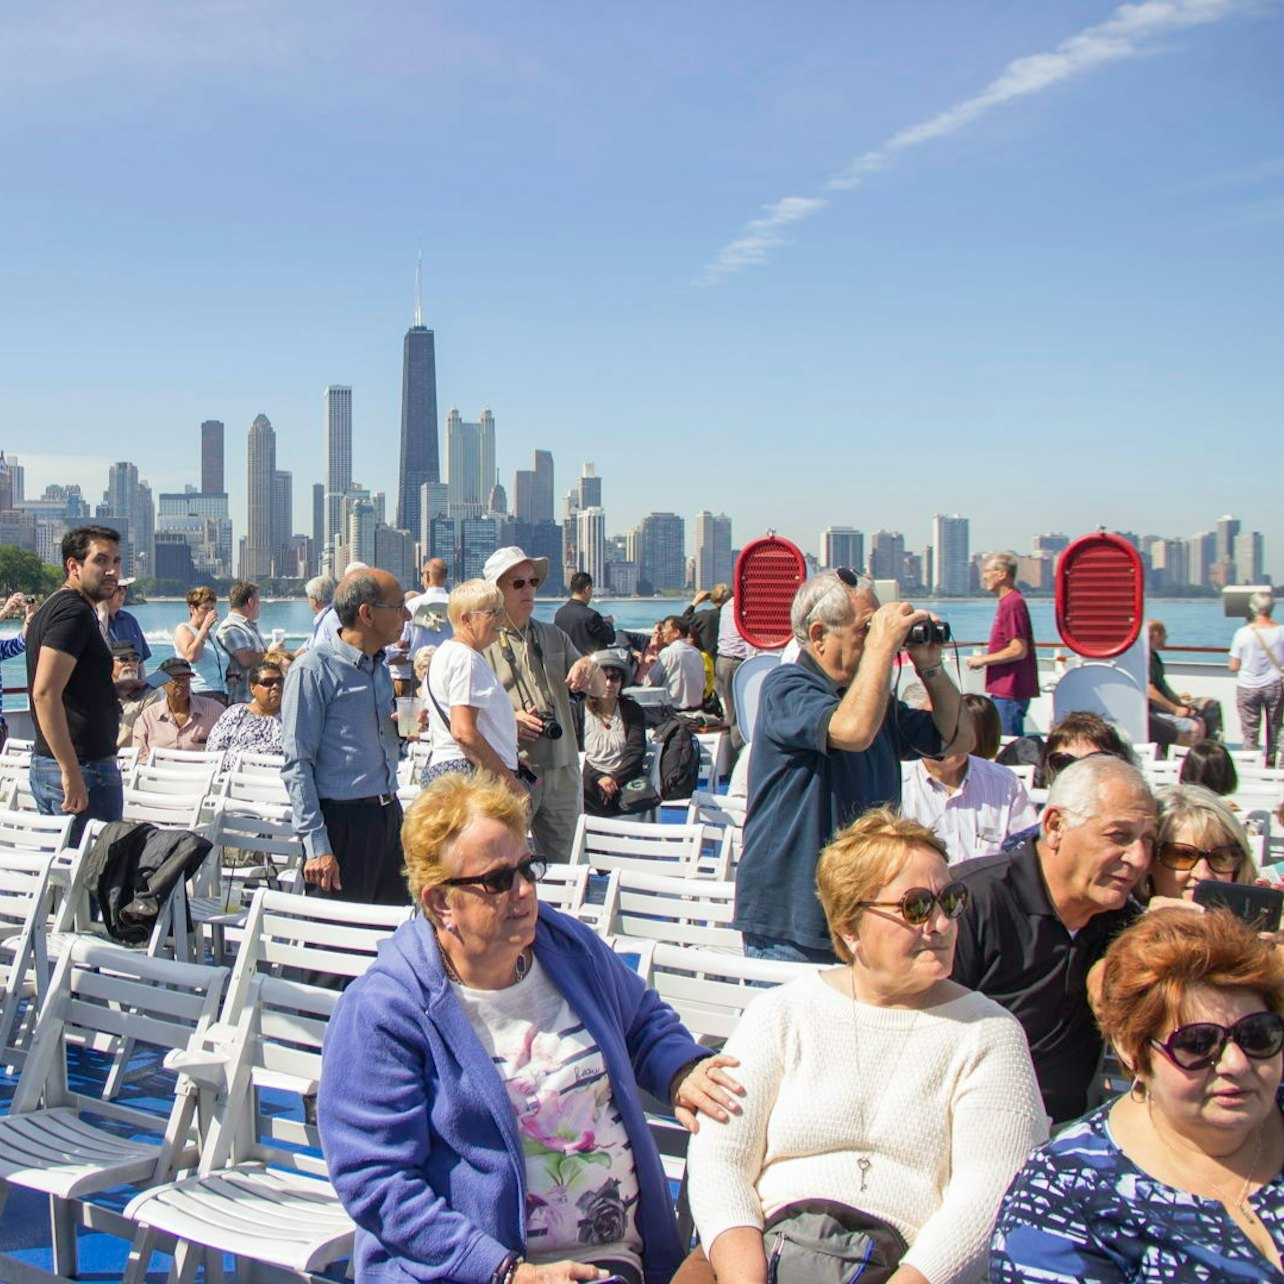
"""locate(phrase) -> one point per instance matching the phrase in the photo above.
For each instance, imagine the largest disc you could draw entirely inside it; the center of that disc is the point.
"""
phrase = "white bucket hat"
(503, 560)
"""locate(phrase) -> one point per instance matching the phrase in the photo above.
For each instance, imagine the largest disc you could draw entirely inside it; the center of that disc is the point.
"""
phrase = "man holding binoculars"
(828, 745)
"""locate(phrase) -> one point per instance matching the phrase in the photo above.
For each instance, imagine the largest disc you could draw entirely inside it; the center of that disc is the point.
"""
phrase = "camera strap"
(532, 643)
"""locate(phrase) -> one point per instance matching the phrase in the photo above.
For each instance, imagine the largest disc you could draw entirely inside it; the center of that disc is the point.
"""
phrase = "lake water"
(1190, 621)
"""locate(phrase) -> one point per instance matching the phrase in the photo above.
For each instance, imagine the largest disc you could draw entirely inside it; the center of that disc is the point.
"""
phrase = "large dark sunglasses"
(269, 682)
(1059, 761)
(1221, 860)
(532, 580)
(917, 904)
(1260, 1035)
(499, 881)
(848, 576)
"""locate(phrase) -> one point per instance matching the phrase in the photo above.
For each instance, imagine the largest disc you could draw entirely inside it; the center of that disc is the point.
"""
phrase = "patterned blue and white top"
(1081, 1210)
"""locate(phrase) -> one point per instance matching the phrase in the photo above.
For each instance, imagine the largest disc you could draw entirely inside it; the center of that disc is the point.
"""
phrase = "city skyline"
(1039, 295)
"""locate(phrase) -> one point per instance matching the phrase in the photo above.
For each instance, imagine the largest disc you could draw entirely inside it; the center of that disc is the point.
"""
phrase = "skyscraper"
(842, 546)
(212, 456)
(950, 538)
(590, 487)
(470, 463)
(260, 485)
(887, 555)
(590, 541)
(712, 550)
(661, 545)
(282, 521)
(338, 458)
(128, 503)
(419, 416)
(318, 520)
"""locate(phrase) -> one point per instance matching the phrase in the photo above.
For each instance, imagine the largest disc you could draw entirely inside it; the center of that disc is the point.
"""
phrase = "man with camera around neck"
(539, 667)
(827, 746)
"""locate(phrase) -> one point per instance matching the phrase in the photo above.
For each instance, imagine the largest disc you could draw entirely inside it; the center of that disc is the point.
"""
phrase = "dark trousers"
(366, 838)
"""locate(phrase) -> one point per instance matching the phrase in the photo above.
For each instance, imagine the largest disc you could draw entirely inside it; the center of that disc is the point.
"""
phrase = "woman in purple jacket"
(479, 1103)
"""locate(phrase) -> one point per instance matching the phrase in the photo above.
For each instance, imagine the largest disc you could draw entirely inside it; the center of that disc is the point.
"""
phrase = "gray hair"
(473, 595)
(354, 592)
(1004, 559)
(1262, 603)
(320, 588)
(1076, 792)
(825, 597)
(1200, 809)
(915, 696)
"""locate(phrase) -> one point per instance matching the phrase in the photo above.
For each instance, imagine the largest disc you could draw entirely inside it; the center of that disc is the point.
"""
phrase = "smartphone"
(1259, 907)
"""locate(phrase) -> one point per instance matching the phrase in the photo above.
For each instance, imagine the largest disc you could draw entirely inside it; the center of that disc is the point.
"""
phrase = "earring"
(1138, 1091)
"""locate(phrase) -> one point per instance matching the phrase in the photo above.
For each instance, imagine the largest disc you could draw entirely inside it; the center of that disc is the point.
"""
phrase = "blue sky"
(848, 263)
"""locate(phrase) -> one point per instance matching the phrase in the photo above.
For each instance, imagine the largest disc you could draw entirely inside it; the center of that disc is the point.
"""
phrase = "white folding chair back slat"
(171, 778)
(678, 911)
(168, 810)
(605, 844)
(708, 990)
(184, 759)
(565, 887)
(14, 747)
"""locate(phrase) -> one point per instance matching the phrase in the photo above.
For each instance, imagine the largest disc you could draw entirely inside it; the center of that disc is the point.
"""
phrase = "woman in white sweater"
(881, 1086)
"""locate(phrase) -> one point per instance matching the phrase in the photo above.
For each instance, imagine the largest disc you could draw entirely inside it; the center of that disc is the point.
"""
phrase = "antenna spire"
(419, 289)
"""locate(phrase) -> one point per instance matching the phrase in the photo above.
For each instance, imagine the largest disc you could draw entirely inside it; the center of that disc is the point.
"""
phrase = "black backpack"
(679, 754)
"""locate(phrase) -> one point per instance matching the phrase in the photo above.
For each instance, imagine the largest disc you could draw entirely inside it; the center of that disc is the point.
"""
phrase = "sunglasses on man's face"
(1182, 856)
(499, 881)
(917, 904)
(532, 580)
(1197, 1046)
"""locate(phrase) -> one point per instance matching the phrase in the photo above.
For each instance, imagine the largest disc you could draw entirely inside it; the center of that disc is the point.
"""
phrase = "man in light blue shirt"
(341, 746)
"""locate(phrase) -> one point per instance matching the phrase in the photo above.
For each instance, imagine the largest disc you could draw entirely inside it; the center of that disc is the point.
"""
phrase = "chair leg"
(140, 1254)
(62, 1229)
(187, 1257)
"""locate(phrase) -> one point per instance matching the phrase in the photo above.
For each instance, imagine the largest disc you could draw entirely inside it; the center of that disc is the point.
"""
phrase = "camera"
(29, 599)
(928, 632)
(552, 728)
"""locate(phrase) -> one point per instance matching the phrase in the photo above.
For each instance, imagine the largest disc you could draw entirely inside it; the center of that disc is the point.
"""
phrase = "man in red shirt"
(1011, 668)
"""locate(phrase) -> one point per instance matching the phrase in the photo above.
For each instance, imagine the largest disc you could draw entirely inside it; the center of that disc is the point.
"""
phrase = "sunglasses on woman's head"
(1059, 761)
(1221, 860)
(499, 881)
(917, 904)
(1260, 1036)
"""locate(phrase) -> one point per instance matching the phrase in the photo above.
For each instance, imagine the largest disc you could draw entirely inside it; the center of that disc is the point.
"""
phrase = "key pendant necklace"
(863, 1162)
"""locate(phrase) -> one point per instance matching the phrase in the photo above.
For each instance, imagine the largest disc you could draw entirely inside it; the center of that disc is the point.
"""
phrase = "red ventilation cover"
(768, 573)
(1100, 596)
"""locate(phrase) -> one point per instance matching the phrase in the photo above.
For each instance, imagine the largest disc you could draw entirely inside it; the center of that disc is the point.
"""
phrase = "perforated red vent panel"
(768, 573)
(1100, 596)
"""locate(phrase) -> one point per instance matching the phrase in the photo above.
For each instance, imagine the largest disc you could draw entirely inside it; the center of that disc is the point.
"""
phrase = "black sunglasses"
(848, 576)
(1221, 860)
(1260, 1035)
(917, 904)
(499, 881)
(269, 682)
(532, 580)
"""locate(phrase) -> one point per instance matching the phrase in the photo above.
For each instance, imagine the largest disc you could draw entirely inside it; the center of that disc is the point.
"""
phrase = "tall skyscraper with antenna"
(419, 460)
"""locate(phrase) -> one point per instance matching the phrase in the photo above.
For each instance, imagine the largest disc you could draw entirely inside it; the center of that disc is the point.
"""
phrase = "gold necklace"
(520, 969)
(1242, 1204)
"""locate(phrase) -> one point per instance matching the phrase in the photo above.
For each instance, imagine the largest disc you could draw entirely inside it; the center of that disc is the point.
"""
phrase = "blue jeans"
(776, 947)
(102, 782)
(1011, 715)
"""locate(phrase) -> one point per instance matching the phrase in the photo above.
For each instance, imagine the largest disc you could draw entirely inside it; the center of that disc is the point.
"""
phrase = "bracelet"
(931, 670)
(507, 1269)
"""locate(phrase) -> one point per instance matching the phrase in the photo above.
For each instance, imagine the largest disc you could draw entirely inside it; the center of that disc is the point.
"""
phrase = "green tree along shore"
(22, 571)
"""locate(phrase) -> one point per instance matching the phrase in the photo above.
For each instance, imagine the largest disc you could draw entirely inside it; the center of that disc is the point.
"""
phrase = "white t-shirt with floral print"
(581, 1186)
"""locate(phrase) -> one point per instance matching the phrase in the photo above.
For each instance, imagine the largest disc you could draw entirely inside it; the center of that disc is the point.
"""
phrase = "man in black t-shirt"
(73, 701)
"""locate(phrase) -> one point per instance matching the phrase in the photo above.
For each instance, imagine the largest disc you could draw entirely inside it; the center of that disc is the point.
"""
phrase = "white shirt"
(730, 641)
(1249, 647)
(990, 804)
(459, 675)
(680, 667)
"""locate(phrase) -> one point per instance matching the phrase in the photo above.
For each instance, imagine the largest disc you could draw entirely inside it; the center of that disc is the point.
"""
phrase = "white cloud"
(1125, 34)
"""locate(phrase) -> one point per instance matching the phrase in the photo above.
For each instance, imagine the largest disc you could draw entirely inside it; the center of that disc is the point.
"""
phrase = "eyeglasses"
(1221, 860)
(917, 904)
(390, 606)
(532, 580)
(487, 610)
(612, 676)
(499, 881)
(269, 682)
(1260, 1036)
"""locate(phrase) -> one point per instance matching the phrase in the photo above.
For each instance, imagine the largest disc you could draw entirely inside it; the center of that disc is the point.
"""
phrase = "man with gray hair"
(341, 747)
(1010, 664)
(1040, 916)
(827, 746)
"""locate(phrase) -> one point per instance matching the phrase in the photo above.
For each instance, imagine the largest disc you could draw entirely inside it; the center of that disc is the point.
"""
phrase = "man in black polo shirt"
(73, 701)
(1042, 914)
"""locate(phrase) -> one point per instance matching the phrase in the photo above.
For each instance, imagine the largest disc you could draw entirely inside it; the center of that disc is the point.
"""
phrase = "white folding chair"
(24, 907)
(61, 1138)
(565, 887)
(15, 748)
(173, 778)
(604, 844)
(678, 911)
(261, 1191)
(181, 759)
(253, 784)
